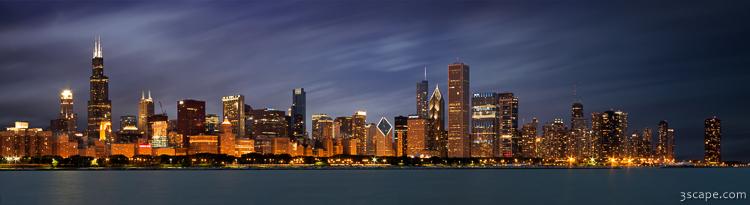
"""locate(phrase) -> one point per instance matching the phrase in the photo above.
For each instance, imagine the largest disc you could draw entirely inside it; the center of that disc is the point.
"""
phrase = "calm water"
(464, 186)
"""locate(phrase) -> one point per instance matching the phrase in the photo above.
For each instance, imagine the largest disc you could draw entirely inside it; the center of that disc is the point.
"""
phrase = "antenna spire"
(425, 72)
(98, 47)
(149, 94)
(143, 95)
(575, 93)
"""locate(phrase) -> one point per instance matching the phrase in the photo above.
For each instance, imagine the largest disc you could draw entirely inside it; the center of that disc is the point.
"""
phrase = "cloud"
(678, 62)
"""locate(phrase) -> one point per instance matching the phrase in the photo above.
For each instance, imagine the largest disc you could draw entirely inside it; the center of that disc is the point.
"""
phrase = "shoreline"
(313, 167)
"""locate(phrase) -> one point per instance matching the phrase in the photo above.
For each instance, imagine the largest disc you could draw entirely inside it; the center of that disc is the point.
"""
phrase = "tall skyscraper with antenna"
(99, 105)
(422, 103)
(145, 110)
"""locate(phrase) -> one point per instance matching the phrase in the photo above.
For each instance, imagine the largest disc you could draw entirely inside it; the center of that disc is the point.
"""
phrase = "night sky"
(681, 61)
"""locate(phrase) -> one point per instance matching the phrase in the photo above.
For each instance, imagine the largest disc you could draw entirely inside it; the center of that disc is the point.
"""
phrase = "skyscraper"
(609, 129)
(508, 142)
(665, 146)
(359, 131)
(437, 137)
(577, 121)
(422, 88)
(191, 119)
(99, 105)
(145, 110)
(644, 151)
(529, 145)
(555, 139)
(383, 139)
(233, 109)
(67, 115)
(485, 125)
(577, 140)
(712, 141)
(458, 110)
(298, 114)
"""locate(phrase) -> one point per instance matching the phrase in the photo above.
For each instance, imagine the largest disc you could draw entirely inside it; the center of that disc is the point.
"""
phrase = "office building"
(159, 125)
(459, 111)
(665, 144)
(508, 139)
(233, 109)
(298, 114)
(322, 131)
(23, 141)
(530, 142)
(99, 105)
(400, 137)
(191, 118)
(145, 110)
(383, 139)
(609, 129)
(417, 134)
(712, 140)
(422, 91)
(269, 123)
(359, 131)
(437, 136)
(485, 122)
(66, 121)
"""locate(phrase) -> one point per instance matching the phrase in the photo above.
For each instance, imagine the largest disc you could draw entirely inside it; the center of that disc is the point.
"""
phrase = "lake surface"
(393, 186)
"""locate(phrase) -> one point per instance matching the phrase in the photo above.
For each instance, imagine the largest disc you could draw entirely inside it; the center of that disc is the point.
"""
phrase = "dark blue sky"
(680, 61)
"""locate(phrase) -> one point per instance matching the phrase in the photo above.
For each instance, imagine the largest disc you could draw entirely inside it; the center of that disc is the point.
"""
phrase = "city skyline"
(380, 103)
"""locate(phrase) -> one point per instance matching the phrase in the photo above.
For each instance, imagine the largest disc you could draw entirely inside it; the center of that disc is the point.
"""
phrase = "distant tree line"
(222, 160)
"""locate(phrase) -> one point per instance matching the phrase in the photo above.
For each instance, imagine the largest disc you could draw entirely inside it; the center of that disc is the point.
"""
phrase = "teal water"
(307, 187)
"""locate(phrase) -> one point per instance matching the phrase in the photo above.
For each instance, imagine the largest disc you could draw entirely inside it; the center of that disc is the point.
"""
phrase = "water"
(446, 186)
